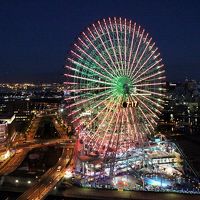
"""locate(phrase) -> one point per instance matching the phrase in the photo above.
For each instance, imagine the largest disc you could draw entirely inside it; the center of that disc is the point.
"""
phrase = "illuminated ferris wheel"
(115, 79)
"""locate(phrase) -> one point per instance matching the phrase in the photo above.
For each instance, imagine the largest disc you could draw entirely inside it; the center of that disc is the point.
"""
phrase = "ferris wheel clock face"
(116, 81)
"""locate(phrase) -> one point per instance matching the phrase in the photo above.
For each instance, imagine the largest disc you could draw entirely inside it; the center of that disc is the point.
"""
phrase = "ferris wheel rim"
(115, 74)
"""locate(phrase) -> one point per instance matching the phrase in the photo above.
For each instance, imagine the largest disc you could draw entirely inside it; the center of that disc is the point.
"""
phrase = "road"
(9, 165)
(48, 181)
(61, 131)
(38, 143)
(23, 147)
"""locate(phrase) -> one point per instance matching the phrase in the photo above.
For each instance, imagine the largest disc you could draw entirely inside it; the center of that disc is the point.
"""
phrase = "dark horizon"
(35, 36)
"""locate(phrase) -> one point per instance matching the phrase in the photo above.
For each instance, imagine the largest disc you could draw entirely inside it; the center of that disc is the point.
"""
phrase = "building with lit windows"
(3, 132)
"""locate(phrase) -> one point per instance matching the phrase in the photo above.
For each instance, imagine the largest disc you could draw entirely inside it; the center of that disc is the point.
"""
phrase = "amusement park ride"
(115, 94)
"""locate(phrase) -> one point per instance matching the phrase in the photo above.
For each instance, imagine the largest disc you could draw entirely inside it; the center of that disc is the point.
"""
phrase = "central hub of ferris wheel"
(122, 86)
(116, 80)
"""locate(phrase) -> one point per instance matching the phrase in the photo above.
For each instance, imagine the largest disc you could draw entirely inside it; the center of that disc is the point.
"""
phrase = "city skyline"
(93, 114)
(36, 36)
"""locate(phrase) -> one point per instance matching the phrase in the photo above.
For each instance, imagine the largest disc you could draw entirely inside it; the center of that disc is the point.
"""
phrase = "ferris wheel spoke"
(133, 117)
(106, 132)
(129, 134)
(83, 42)
(150, 84)
(99, 53)
(151, 92)
(150, 123)
(70, 83)
(89, 99)
(88, 89)
(147, 107)
(91, 122)
(92, 109)
(141, 56)
(89, 68)
(125, 41)
(129, 28)
(87, 79)
(136, 52)
(129, 127)
(114, 52)
(149, 131)
(150, 76)
(108, 126)
(116, 130)
(153, 102)
(106, 114)
(103, 43)
(80, 96)
(74, 112)
(78, 64)
(143, 64)
(111, 141)
(72, 97)
(119, 49)
(101, 110)
(153, 113)
(155, 91)
(146, 58)
(131, 47)
(91, 58)
(158, 79)
(135, 124)
(144, 99)
(148, 68)
(119, 132)
(155, 98)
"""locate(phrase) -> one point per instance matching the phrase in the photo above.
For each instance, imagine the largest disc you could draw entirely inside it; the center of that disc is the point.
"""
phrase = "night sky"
(36, 35)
